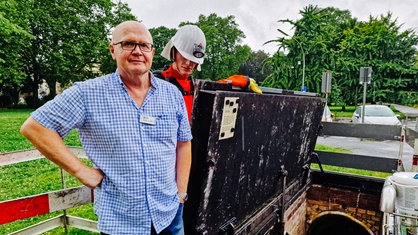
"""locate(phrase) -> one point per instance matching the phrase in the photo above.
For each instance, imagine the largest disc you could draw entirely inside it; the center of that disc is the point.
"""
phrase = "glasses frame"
(140, 45)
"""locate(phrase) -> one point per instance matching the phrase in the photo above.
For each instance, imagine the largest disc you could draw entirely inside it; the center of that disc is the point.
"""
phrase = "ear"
(112, 51)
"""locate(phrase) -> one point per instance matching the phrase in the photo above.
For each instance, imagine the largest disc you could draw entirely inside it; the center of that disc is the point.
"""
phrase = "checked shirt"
(134, 146)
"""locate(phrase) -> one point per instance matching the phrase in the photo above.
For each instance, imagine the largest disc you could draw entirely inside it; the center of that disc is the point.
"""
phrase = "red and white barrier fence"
(35, 205)
(41, 204)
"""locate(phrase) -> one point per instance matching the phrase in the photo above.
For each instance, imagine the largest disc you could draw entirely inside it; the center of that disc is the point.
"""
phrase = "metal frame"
(62, 220)
(389, 224)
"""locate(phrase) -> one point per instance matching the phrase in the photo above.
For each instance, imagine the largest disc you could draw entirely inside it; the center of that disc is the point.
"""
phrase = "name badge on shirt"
(148, 120)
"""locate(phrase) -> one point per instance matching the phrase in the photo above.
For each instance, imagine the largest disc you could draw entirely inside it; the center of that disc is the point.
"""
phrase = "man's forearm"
(50, 144)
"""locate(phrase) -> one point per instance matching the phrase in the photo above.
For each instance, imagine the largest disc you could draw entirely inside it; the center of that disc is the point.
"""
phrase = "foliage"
(255, 67)
(65, 41)
(224, 54)
(57, 41)
(283, 74)
(13, 43)
(160, 36)
(332, 40)
(390, 53)
(408, 97)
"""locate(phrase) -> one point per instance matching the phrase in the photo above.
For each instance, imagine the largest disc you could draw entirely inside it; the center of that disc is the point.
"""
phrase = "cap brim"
(166, 52)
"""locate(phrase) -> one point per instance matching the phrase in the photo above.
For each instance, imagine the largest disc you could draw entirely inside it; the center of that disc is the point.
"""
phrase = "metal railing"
(364, 131)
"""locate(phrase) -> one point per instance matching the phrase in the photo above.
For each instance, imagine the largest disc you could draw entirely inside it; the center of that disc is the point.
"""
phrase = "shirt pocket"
(166, 125)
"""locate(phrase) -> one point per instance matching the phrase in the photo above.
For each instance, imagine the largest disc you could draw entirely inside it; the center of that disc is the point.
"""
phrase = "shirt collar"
(154, 84)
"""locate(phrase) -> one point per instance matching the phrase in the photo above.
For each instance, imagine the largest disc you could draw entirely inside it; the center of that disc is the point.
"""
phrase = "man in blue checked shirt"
(135, 130)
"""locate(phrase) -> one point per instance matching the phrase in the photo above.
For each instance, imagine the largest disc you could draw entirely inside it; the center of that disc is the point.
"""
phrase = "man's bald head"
(132, 61)
(128, 26)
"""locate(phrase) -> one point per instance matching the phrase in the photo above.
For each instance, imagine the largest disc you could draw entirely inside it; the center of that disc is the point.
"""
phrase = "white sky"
(258, 19)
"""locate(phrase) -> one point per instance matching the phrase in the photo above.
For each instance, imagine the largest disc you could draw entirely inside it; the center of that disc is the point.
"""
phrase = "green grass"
(348, 113)
(10, 137)
(34, 177)
(339, 112)
(320, 147)
(351, 171)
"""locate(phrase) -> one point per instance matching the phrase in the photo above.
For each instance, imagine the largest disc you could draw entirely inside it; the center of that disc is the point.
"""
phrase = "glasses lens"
(147, 47)
(128, 45)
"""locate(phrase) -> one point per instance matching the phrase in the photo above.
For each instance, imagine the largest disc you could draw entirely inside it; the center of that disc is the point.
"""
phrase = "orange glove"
(237, 80)
(243, 82)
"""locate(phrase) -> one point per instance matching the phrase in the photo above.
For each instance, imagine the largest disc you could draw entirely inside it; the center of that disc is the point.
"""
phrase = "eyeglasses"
(130, 46)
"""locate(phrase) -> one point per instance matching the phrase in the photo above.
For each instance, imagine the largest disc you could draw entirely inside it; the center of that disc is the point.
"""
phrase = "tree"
(13, 43)
(255, 67)
(69, 38)
(283, 72)
(391, 53)
(333, 40)
(224, 52)
(161, 35)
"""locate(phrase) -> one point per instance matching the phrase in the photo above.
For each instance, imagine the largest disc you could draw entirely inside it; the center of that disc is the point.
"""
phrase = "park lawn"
(342, 113)
(348, 111)
(34, 177)
(10, 137)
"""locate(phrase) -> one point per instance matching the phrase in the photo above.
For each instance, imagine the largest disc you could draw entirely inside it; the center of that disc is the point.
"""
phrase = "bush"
(5, 101)
(408, 97)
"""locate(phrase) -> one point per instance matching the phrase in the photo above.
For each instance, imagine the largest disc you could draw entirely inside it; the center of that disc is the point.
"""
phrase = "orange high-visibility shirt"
(185, 83)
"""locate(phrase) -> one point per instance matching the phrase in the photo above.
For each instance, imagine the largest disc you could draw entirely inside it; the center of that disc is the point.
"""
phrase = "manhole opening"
(331, 224)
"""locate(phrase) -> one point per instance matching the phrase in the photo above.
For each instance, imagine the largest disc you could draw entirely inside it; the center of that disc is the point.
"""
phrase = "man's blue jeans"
(175, 228)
